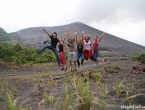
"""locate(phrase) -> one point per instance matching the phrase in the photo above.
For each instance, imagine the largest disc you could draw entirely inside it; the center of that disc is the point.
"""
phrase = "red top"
(95, 45)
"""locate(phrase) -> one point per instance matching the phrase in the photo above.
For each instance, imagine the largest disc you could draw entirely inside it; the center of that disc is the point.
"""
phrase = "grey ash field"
(90, 88)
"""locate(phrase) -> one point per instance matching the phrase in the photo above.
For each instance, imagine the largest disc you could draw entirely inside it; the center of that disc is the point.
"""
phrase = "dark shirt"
(60, 48)
(54, 41)
(80, 48)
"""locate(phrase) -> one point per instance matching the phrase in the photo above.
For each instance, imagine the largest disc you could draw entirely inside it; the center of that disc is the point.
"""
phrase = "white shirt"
(87, 45)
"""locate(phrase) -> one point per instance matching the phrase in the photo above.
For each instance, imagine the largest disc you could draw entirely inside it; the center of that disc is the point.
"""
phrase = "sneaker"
(62, 69)
(82, 63)
(78, 65)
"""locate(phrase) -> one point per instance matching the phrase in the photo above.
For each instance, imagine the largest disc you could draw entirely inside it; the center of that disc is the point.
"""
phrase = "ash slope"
(109, 42)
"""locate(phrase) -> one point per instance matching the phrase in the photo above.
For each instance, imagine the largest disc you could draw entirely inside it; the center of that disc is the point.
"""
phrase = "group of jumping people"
(85, 49)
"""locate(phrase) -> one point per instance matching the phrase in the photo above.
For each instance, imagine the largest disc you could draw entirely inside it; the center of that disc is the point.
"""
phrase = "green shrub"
(19, 54)
(110, 55)
(124, 55)
(139, 57)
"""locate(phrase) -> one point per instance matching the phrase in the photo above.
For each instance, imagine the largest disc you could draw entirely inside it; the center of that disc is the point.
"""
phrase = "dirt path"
(27, 73)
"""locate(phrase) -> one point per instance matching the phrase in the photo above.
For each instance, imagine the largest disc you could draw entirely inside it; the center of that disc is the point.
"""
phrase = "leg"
(65, 67)
(61, 60)
(82, 55)
(71, 66)
(78, 57)
(86, 54)
(64, 61)
(60, 57)
(45, 47)
(69, 60)
(54, 50)
(96, 56)
(74, 59)
(56, 54)
(90, 54)
(75, 66)
(93, 57)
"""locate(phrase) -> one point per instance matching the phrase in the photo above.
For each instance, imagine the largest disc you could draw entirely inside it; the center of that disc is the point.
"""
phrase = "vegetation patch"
(138, 57)
(18, 54)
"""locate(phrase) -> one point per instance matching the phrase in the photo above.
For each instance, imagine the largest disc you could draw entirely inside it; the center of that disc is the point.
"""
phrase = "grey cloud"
(112, 10)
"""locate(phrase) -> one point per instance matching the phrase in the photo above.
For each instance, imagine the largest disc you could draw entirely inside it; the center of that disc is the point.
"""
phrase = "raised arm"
(45, 31)
(82, 37)
(102, 36)
(67, 33)
(64, 38)
(75, 35)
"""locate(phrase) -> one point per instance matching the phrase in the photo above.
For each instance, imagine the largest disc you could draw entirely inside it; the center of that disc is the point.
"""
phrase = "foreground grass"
(78, 94)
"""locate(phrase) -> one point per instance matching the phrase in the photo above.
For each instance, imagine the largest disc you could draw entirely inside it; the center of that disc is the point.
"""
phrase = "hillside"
(109, 42)
(4, 36)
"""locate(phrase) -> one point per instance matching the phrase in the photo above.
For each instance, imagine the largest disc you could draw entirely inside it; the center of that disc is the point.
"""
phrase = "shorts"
(88, 54)
(71, 56)
(62, 57)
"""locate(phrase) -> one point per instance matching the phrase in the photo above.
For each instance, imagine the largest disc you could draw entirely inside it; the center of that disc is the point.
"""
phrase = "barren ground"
(53, 81)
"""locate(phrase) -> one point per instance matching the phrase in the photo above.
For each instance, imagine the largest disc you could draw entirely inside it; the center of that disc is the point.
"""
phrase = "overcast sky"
(123, 18)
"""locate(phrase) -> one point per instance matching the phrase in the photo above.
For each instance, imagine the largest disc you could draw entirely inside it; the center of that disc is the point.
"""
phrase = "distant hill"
(15, 36)
(4, 36)
(36, 36)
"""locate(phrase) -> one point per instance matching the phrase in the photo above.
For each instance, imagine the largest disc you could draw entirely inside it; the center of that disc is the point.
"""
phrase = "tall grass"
(119, 87)
(84, 96)
(68, 101)
(12, 104)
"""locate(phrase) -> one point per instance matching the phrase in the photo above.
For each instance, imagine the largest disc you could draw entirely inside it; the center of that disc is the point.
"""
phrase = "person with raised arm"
(54, 41)
(87, 46)
(95, 47)
(71, 50)
(62, 54)
(80, 49)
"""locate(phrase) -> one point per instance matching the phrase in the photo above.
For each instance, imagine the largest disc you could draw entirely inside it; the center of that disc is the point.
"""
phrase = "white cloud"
(18, 14)
(131, 31)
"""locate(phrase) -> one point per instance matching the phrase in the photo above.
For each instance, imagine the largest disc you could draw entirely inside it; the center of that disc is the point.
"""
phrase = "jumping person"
(54, 41)
(87, 46)
(71, 50)
(95, 47)
(80, 48)
(62, 54)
